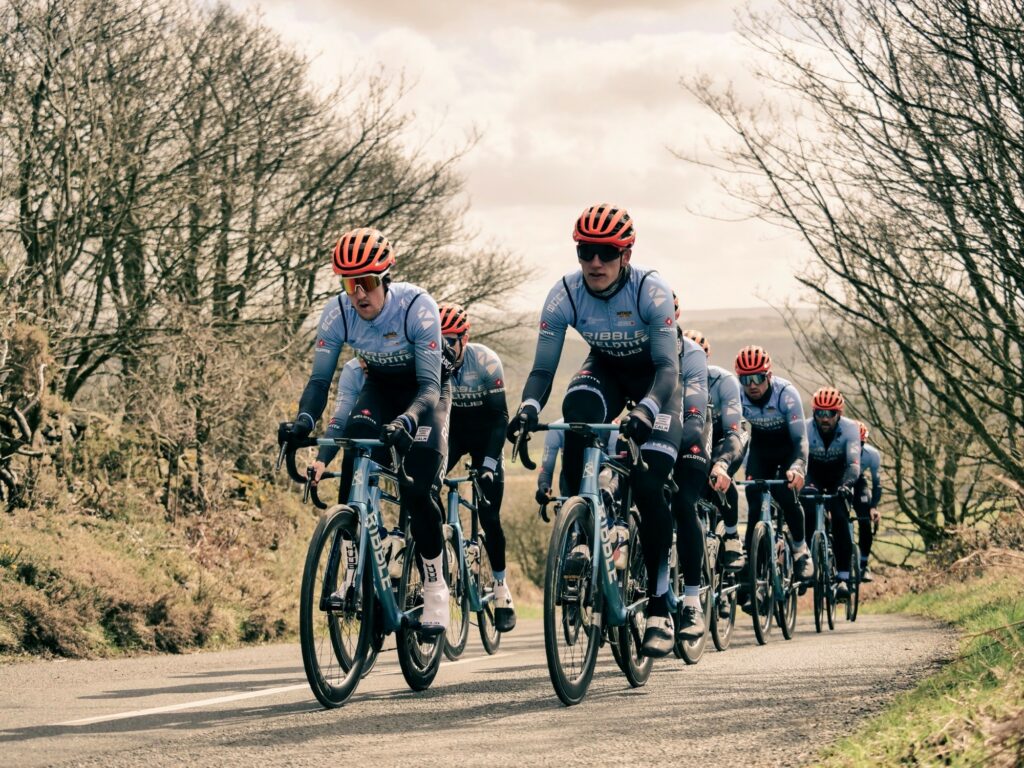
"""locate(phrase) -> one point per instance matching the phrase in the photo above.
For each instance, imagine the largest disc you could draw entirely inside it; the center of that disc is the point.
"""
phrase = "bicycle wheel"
(785, 609)
(760, 588)
(853, 604)
(820, 566)
(723, 608)
(571, 603)
(484, 578)
(335, 613)
(457, 634)
(629, 637)
(691, 651)
(418, 656)
(830, 587)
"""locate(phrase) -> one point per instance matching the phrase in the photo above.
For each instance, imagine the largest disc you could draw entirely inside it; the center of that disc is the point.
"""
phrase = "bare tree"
(895, 155)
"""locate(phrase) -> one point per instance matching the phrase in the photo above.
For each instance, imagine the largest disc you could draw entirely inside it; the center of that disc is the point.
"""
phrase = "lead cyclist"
(625, 314)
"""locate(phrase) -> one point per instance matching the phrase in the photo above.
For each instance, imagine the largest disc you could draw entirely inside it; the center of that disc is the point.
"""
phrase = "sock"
(499, 575)
(692, 601)
(433, 572)
(731, 530)
(863, 562)
(843, 575)
(799, 546)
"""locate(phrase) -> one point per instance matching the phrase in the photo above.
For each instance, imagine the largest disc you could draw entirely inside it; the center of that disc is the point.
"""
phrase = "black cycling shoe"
(658, 639)
(691, 624)
(733, 558)
(803, 567)
(865, 574)
(842, 590)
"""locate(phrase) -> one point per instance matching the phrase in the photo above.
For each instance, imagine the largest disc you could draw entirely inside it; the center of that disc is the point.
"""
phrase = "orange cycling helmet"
(828, 399)
(454, 319)
(752, 359)
(363, 251)
(700, 338)
(863, 431)
(605, 223)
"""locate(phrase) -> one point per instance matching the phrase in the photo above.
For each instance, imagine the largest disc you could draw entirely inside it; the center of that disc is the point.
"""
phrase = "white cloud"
(576, 107)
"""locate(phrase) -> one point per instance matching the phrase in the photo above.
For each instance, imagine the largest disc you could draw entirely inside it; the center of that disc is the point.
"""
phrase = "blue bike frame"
(455, 500)
(768, 519)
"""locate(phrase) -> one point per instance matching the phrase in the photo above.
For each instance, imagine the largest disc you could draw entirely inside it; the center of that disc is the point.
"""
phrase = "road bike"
(585, 600)
(471, 580)
(772, 586)
(824, 559)
(348, 601)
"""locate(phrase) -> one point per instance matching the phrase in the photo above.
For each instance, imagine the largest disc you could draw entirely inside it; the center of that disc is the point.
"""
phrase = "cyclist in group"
(833, 466)
(625, 314)
(396, 329)
(778, 446)
(865, 502)
(691, 478)
(728, 445)
(478, 418)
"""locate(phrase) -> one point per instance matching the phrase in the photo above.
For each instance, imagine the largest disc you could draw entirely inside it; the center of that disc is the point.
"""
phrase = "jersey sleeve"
(553, 440)
(852, 473)
(423, 328)
(326, 351)
(876, 477)
(495, 408)
(693, 373)
(350, 384)
(554, 321)
(792, 407)
(658, 312)
(734, 437)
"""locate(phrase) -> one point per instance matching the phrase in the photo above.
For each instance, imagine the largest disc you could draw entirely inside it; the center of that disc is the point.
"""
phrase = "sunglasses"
(753, 378)
(821, 413)
(606, 253)
(366, 282)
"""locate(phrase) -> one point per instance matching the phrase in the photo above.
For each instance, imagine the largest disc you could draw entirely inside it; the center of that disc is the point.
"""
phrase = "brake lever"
(398, 462)
(542, 512)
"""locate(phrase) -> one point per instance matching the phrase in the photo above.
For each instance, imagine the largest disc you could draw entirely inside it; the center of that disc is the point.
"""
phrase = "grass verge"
(971, 713)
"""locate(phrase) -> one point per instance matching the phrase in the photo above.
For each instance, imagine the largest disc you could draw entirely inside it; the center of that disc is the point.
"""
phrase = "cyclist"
(625, 314)
(691, 478)
(729, 443)
(833, 466)
(396, 329)
(478, 418)
(864, 503)
(778, 444)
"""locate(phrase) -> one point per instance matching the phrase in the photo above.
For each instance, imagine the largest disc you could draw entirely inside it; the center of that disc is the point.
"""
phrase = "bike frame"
(764, 486)
(603, 573)
(455, 500)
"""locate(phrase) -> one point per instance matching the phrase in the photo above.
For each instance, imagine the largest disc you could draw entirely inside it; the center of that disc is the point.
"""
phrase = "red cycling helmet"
(454, 319)
(752, 359)
(363, 251)
(863, 431)
(604, 223)
(700, 338)
(828, 399)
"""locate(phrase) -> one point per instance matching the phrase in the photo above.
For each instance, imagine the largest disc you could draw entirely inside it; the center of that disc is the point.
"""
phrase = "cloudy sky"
(577, 102)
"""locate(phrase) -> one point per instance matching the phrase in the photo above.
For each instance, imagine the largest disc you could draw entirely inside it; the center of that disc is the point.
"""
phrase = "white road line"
(240, 697)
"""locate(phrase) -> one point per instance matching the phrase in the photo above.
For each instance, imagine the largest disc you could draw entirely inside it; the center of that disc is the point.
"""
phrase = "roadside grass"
(971, 713)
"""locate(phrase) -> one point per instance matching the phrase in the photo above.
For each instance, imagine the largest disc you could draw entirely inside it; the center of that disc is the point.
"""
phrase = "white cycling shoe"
(434, 619)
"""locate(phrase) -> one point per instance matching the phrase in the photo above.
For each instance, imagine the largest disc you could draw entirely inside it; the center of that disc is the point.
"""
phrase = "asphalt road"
(750, 706)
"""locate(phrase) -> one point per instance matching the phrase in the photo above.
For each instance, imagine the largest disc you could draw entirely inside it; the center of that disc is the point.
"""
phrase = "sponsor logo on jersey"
(432, 345)
(422, 434)
(543, 325)
(391, 335)
(624, 314)
(662, 422)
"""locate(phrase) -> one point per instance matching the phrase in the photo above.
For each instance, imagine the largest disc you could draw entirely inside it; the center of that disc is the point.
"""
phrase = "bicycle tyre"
(633, 579)
(722, 627)
(853, 605)
(760, 587)
(571, 602)
(490, 637)
(820, 565)
(786, 608)
(691, 651)
(457, 634)
(418, 659)
(830, 587)
(319, 639)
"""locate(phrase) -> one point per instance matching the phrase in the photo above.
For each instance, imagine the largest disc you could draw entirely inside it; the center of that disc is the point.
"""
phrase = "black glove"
(396, 434)
(292, 432)
(449, 362)
(846, 492)
(638, 425)
(515, 424)
(543, 496)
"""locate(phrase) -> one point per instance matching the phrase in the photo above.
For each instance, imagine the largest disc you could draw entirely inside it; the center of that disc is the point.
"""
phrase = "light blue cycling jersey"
(777, 427)
(402, 344)
(836, 460)
(729, 435)
(554, 441)
(871, 461)
(633, 327)
(693, 377)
